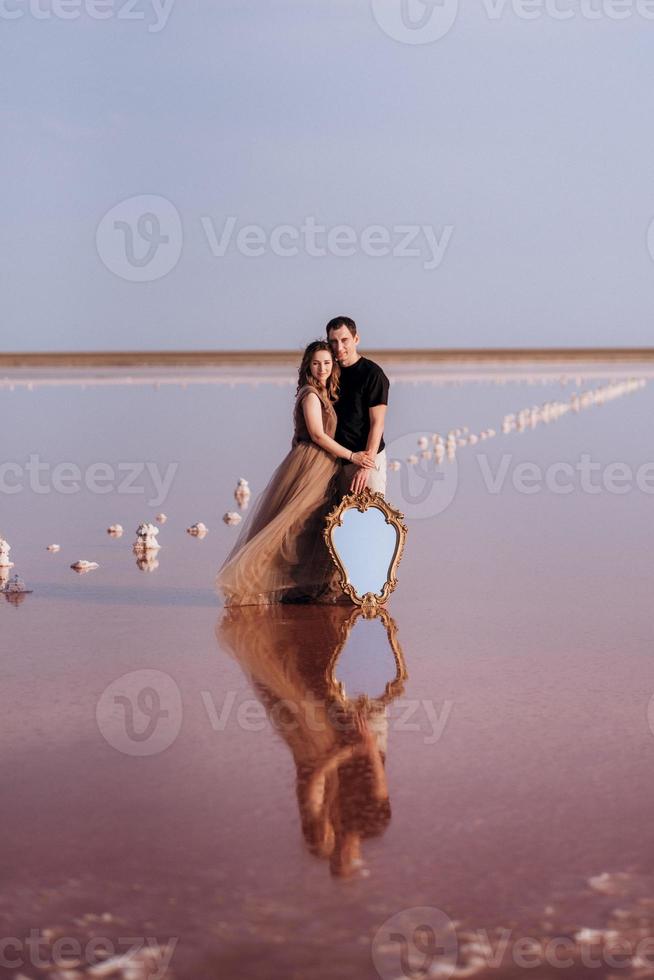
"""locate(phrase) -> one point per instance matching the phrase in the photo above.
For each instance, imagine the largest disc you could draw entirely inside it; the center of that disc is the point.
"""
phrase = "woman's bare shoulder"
(304, 391)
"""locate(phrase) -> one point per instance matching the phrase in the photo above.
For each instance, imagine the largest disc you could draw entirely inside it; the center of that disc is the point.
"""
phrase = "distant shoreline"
(184, 358)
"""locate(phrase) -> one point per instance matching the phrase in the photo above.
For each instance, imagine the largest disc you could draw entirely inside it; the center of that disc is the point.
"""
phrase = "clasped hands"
(364, 461)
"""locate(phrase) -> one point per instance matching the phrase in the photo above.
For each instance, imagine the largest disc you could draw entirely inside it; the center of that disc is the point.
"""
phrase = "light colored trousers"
(376, 477)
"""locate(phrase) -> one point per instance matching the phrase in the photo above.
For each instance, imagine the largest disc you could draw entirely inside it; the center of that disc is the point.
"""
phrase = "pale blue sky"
(523, 146)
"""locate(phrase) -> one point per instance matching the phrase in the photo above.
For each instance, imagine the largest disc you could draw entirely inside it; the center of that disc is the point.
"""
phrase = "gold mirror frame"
(394, 687)
(362, 501)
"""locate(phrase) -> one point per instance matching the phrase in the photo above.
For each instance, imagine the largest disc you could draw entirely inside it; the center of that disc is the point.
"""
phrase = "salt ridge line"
(520, 421)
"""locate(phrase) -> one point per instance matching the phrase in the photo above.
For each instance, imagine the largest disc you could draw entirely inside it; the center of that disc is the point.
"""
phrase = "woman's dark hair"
(306, 378)
(341, 321)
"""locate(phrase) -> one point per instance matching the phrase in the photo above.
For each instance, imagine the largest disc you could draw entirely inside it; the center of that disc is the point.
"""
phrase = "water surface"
(505, 771)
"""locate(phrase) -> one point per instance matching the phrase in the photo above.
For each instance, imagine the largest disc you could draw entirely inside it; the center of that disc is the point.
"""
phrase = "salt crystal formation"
(197, 530)
(53, 547)
(525, 419)
(146, 559)
(161, 518)
(142, 965)
(146, 536)
(394, 465)
(607, 883)
(82, 565)
(16, 584)
(231, 518)
(529, 418)
(115, 530)
(5, 548)
(15, 591)
(242, 493)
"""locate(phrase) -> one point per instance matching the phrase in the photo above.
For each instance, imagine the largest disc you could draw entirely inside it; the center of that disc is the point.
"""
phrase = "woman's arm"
(312, 411)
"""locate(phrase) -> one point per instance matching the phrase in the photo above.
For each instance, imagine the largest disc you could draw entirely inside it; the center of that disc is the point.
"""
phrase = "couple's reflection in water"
(294, 656)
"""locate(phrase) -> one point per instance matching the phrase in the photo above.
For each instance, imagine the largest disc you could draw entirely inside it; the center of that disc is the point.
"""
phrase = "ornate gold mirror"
(365, 537)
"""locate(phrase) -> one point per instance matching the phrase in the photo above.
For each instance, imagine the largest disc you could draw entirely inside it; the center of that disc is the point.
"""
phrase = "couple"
(337, 448)
(338, 744)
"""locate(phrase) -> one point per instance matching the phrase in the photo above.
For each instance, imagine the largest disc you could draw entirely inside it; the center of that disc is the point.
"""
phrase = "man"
(361, 407)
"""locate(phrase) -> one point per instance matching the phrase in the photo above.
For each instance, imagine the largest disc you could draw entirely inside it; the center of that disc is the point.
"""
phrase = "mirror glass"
(366, 663)
(366, 546)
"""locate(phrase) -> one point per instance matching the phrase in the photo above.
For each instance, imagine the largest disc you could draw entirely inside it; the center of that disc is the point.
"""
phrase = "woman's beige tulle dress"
(280, 554)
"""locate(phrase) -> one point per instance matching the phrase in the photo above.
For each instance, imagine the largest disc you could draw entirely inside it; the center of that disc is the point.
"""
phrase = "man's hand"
(359, 480)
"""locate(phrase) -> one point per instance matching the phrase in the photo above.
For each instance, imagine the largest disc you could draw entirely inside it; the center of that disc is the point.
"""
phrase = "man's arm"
(377, 416)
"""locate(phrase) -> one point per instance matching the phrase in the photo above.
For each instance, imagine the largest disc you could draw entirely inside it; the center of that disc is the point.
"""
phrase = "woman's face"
(321, 366)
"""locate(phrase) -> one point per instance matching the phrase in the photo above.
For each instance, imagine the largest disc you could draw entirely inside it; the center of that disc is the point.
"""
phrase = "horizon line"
(129, 358)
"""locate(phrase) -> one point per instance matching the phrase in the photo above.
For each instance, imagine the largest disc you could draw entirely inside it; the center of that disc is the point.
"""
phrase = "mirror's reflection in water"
(366, 663)
(365, 543)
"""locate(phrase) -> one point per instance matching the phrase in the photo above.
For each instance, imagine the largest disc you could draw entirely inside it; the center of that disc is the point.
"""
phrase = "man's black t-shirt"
(363, 385)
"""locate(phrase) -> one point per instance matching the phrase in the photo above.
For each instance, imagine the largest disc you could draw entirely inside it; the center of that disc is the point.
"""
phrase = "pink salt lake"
(154, 788)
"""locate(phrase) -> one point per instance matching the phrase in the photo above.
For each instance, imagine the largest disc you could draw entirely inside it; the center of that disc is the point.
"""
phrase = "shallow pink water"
(516, 758)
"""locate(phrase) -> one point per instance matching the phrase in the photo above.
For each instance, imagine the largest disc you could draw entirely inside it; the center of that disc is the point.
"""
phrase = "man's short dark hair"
(342, 321)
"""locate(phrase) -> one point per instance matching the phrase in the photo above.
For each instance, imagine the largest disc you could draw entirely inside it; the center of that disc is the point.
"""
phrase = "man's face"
(344, 346)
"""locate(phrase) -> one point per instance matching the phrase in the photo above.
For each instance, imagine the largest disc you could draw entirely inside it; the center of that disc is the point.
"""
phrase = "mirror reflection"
(338, 742)
(367, 662)
(366, 544)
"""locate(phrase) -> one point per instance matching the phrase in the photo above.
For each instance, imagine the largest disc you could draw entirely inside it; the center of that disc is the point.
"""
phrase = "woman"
(280, 555)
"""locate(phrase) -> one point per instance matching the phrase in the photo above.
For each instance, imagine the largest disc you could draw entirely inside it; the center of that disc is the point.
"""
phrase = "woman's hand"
(364, 459)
